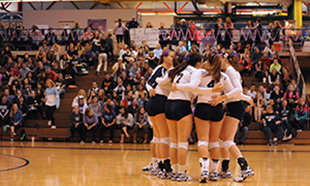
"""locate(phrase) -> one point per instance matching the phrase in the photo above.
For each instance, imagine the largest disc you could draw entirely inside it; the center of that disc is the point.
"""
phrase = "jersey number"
(179, 77)
(211, 84)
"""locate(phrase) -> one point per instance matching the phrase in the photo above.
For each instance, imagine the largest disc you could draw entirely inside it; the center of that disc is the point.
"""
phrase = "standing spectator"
(125, 121)
(119, 29)
(243, 126)
(90, 121)
(291, 96)
(301, 114)
(50, 37)
(259, 104)
(141, 124)
(277, 31)
(52, 102)
(102, 57)
(272, 123)
(110, 44)
(218, 31)
(76, 123)
(246, 63)
(108, 121)
(16, 117)
(229, 26)
(133, 23)
(285, 113)
(259, 33)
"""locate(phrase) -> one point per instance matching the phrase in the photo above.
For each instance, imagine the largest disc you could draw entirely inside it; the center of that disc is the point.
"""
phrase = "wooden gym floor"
(66, 164)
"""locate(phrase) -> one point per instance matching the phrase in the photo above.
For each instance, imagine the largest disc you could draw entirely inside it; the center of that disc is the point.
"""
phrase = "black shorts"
(119, 38)
(177, 109)
(156, 105)
(205, 111)
(235, 110)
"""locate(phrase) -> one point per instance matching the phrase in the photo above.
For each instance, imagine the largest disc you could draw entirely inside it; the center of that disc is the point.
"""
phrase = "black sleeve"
(152, 79)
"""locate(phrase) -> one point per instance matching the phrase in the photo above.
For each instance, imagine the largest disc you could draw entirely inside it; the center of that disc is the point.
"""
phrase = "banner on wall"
(12, 17)
(148, 34)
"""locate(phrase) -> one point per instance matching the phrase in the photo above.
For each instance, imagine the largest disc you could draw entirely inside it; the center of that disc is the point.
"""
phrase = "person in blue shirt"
(16, 117)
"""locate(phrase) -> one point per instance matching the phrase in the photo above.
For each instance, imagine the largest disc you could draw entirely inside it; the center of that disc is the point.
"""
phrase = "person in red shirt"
(246, 63)
(50, 74)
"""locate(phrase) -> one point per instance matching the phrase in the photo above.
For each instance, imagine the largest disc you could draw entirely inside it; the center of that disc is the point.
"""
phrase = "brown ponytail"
(233, 60)
(214, 66)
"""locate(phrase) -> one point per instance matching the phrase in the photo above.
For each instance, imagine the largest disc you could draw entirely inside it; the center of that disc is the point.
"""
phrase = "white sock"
(154, 162)
(182, 168)
(204, 163)
(214, 166)
(175, 168)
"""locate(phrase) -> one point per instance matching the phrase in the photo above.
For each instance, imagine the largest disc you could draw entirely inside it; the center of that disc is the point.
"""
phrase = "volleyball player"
(208, 118)
(179, 114)
(156, 111)
(234, 114)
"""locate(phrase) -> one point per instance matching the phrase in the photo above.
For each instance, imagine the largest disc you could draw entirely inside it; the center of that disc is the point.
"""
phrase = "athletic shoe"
(270, 143)
(213, 176)
(93, 143)
(14, 134)
(183, 177)
(274, 143)
(110, 141)
(53, 127)
(166, 175)
(147, 168)
(159, 174)
(223, 174)
(204, 177)
(12, 140)
(244, 174)
(154, 172)
(82, 142)
(174, 176)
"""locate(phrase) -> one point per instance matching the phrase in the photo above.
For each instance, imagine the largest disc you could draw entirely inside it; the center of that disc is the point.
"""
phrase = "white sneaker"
(213, 176)
(93, 143)
(204, 177)
(53, 127)
(226, 174)
(49, 123)
(147, 168)
(82, 142)
(244, 174)
(183, 177)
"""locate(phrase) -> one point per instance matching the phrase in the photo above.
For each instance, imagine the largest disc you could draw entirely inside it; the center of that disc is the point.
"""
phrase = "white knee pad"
(183, 145)
(227, 144)
(205, 143)
(154, 140)
(165, 140)
(173, 145)
(213, 145)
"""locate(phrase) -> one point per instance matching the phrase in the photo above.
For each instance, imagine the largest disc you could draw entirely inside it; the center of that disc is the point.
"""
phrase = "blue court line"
(131, 149)
(18, 167)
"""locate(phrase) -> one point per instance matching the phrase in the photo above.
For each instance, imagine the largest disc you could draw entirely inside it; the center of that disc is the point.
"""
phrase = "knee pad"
(214, 145)
(205, 143)
(227, 144)
(173, 145)
(154, 140)
(165, 140)
(183, 145)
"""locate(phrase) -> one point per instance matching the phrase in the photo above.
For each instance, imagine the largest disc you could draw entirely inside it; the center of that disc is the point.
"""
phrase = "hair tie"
(214, 53)
(225, 55)
(166, 52)
(186, 55)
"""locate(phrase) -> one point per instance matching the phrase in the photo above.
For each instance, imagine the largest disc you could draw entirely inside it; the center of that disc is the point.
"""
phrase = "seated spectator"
(277, 94)
(50, 74)
(140, 91)
(286, 78)
(120, 89)
(256, 55)
(130, 64)
(243, 126)
(142, 100)
(252, 91)
(101, 96)
(275, 65)
(61, 84)
(94, 88)
(108, 102)
(125, 122)
(40, 68)
(182, 47)
(56, 68)
(274, 106)
(26, 90)
(133, 70)
(108, 121)
(76, 123)
(16, 117)
(272, 123)
(259, 105)
(260, 71)
(271, 52)
(124, 78)
(118, 67)
(277, 57)
(71, 52)
(151, 60)
(40, 54)
(141, 124)
(246, 63)
(273, 76)
(96, 107)
(23, 106)
(285, 114)
(294, 84)
(82, 104)
(24, 70)
(107, 84)
(158, 51)
(14, 74)
(90, 121)
(4, 111)
(266, 60)
(64, 60)
(133, 107)
(77, 97)
(300, 116)
(291, 96)
(128, 98)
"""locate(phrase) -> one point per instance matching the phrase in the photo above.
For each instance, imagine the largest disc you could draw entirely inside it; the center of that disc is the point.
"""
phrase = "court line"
(131, 149)
(18, 167)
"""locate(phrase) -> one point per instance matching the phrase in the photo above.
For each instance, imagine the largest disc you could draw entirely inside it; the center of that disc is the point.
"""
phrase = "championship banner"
(148, 34)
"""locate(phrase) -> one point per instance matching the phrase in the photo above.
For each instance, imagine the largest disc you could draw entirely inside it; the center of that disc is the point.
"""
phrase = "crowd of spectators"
(119, 101)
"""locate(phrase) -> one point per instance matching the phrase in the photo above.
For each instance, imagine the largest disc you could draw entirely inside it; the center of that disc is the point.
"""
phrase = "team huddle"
(174, 85)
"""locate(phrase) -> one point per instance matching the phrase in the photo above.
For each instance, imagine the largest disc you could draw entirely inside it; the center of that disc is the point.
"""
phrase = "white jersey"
(183, 78)
(161, 89)
(201, 83)
(236, 81)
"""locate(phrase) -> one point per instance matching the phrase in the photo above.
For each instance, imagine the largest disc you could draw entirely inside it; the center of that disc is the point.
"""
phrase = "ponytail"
(232, 58)
(214, 66)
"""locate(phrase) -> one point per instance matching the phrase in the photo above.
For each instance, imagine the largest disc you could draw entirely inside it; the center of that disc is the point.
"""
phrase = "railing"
(300, 78)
